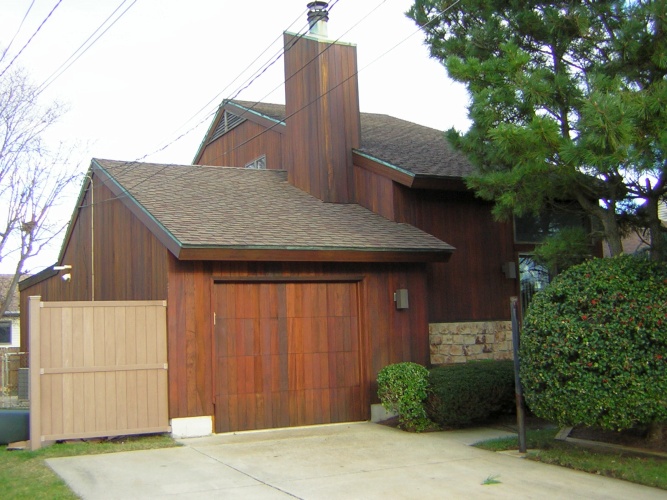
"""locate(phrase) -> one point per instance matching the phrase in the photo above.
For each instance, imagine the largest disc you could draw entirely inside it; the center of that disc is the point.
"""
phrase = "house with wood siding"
(308, 246)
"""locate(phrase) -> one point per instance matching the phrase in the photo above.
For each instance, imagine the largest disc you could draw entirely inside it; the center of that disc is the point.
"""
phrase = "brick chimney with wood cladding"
(322, 110)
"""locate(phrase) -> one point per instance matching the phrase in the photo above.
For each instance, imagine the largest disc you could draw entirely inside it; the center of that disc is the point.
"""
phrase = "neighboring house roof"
(407, 146)
(13, 306)
(202, 207)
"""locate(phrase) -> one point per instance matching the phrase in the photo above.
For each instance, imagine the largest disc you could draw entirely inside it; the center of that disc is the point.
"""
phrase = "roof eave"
(405, 177)
(313, 254)
(152, 224)
(43, 275)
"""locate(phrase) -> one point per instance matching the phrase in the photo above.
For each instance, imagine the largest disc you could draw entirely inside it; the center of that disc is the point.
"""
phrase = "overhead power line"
(30, 39)
(18, 30)
(129, 164)
(83, 48)
(222, 92)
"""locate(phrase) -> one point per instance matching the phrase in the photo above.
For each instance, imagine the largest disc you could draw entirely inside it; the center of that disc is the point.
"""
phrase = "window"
(533, 278)
(258, 164)
(535, 228)
(5, 332)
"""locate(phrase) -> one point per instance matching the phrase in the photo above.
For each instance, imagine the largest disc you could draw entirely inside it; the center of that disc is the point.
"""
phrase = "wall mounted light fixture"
(509, 268)
(401, 298)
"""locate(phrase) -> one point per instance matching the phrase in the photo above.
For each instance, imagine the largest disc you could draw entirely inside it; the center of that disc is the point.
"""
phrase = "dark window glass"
(534, 228)
(5, 332)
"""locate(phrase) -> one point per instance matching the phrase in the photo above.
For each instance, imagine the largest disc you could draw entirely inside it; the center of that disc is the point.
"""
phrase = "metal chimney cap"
(318, 15)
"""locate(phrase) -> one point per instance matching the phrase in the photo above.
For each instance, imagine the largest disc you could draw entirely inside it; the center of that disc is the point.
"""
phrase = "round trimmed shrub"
(594, 345)
(402, 389)
(466, 393)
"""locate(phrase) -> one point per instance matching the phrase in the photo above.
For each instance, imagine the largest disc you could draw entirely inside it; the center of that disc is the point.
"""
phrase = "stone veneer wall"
(462, 342)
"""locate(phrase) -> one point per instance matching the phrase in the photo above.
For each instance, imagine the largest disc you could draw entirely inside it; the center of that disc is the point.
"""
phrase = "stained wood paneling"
(322, 115)
(97, 369)
(374, 192)
(471, 286)
(287, 354)
(386, 335)
(130, 263)
(243, 144)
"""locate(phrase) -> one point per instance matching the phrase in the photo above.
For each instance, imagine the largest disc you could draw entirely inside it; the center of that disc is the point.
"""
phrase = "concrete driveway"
(359, 460)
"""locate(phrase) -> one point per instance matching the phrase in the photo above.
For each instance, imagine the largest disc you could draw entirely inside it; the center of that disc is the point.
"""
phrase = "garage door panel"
(340, 300)
(307, 335)
(232, 412)
(294, 300)
(271, 300)
(322, 362)
(268, 330)
(320, 333)
(351, 369)
(296, 373)
(226, 302)
(281, 409)
(351, 336)
(295, 362)
(222, 414)
(247, 300)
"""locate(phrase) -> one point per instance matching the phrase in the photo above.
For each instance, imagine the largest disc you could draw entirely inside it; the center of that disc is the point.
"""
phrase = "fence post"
(518, 389)
(34, 361)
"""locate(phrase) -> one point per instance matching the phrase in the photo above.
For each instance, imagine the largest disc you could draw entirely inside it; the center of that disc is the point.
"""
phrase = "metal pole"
(518, 390)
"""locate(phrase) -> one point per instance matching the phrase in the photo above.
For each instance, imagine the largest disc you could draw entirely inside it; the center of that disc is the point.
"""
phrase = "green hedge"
(594, 345)
(466, 393)
(402, 388)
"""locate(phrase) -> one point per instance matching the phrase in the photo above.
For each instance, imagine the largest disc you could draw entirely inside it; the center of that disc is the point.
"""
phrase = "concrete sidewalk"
(360, 460)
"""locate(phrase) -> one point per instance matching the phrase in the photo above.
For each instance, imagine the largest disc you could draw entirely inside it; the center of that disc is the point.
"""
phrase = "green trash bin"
(14, 426)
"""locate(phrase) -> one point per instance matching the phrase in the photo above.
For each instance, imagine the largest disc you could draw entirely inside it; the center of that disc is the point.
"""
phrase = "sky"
(149, 86)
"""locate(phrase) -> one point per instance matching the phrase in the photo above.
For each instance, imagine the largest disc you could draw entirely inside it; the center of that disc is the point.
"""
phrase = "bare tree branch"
(33, 174)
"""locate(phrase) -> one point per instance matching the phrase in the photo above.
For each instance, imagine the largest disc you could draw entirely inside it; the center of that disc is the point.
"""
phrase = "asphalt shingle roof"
(417, 149)
(247, 208)
(5, 281)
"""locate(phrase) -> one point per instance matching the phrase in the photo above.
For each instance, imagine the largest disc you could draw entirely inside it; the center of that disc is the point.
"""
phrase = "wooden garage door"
(287, 354)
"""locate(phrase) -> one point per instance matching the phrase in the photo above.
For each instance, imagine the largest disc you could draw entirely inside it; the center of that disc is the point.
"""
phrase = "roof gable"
(399, 144)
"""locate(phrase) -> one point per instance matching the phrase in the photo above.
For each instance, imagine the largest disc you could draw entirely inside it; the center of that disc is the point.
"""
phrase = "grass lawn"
(24, 474)
(642, 470)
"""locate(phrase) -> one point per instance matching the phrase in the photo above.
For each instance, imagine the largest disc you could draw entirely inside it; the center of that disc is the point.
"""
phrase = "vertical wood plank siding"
(374, 192)
(387, 335)
(130, 263)
(287, 354)
(471, 286)
(243, 144)
(323, 124)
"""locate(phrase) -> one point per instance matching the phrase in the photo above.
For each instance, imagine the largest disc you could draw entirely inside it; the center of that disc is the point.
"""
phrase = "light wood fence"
(97, 369)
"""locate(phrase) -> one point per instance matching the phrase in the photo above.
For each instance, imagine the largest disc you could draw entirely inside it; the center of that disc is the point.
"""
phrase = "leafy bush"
(566, 248)
(465, 393)
(402, 388)
(594, 345)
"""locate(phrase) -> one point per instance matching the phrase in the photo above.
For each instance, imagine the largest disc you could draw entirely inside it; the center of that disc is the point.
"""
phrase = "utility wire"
(4, 52)
(192, 167)
(257, 75)
(251, 79)
(30, 39)
(65, 66)
(217, 96)
(129, 164)
(212, 113)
